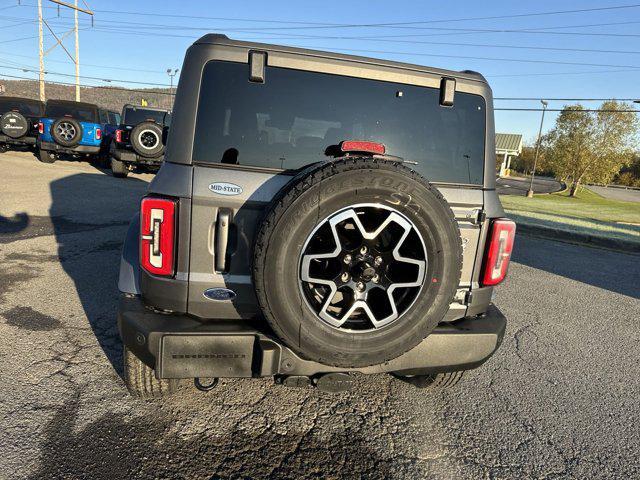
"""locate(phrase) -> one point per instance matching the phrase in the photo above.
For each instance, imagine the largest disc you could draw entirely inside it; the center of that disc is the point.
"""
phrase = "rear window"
(114, 118)
(291, 119)
(82, 113)
(133, 116)
(25, 107)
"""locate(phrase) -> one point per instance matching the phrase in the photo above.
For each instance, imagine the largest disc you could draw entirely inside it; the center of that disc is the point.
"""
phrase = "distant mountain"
(108, 97)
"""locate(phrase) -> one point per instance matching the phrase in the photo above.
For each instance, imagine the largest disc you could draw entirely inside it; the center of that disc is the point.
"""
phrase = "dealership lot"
(558, 399)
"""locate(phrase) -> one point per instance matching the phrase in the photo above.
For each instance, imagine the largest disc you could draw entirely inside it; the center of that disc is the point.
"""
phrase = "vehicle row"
(134, 138)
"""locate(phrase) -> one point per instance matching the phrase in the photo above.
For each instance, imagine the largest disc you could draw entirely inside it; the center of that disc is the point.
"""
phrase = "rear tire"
(435, 380)
(119, 169)
(141, 381)
(45, 156)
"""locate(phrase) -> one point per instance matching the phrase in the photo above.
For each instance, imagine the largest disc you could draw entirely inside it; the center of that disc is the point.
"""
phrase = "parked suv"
(317, 214)
(139, 139)
(19, 122)
(75, 128)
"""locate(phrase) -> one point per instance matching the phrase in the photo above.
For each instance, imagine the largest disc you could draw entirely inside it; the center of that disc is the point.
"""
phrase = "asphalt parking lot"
(558, 400)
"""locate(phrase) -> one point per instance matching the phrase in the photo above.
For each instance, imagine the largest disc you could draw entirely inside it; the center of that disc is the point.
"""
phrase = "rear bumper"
(179, 346)
(86, 149)
(132, 157)
(26, 140)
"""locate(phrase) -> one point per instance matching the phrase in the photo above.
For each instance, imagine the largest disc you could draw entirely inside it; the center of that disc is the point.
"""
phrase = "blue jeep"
(75, 128)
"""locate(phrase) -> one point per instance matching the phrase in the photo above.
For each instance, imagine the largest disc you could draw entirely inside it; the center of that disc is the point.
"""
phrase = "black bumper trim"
(25, 140)
(179, 346)
(90, 149)
(132, 157)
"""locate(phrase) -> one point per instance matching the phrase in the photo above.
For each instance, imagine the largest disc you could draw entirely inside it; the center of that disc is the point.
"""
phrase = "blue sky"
(126, 46)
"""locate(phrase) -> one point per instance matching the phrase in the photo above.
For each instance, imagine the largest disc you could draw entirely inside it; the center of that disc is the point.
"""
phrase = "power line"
(87, 77)
(84, 85)
(447, 30)
(316, 25)
(537, 99)
(86, 64)
(565, 110)
(557, 73)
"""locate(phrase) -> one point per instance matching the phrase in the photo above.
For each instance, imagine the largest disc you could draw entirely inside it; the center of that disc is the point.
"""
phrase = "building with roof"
(508, 145)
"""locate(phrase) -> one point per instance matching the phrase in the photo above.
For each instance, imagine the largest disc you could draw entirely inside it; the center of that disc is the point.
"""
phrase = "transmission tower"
(59, 41)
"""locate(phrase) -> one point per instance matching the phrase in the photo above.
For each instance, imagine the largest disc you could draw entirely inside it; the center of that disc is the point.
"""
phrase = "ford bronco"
(75, 128)
(19, 119)
(317, 215)
(139, 139)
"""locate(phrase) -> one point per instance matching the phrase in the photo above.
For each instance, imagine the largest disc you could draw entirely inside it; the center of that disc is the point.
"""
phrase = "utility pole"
(41, 51)
(171, 73)
(535, 158)
(75, 12)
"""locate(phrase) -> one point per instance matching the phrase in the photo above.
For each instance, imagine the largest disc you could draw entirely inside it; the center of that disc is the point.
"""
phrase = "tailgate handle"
(221, 240)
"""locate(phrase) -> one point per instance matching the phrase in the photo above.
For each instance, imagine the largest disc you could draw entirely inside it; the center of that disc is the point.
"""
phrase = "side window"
(114, 118)
(104, 118)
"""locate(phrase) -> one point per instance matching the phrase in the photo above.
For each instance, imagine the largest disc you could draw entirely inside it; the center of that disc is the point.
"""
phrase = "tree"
(592, 147)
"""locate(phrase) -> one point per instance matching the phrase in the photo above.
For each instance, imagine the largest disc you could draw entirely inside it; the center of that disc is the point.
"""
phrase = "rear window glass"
(133, 116)
(82, 113)
(114, 118)
(25, 107)
(291, 119)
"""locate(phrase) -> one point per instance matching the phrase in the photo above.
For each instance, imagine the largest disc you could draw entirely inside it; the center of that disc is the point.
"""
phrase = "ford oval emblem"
(219, 294)
(224, 188)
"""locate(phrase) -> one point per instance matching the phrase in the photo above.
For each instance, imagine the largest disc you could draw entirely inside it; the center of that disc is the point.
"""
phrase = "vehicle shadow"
(607, 269)
(116, 446)
(17, 223)
(90, 213)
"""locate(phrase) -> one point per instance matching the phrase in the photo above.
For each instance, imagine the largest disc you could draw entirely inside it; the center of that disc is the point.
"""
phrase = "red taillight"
(40, 127)
(157, 235)
(360, 146)
(98, 134)
(498, 253)
(119, 136)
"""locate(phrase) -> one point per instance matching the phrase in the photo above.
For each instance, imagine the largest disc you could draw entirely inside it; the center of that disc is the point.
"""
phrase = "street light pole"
(535, 158)
(171, 73)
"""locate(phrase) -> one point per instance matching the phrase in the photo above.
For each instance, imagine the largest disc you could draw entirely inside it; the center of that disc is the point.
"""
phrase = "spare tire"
(14, 125)
(146, 139)
(66, 132)
(356, 262)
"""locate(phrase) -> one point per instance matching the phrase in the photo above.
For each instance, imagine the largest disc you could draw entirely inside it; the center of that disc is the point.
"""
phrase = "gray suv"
(316, 215)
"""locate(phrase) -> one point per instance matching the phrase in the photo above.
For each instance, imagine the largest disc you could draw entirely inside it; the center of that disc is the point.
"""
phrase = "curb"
(580, 238)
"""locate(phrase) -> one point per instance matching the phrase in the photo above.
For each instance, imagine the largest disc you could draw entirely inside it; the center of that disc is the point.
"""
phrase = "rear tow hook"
(205, 387)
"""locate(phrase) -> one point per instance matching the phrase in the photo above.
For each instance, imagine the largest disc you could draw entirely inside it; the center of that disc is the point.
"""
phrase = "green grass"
(588, 212)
